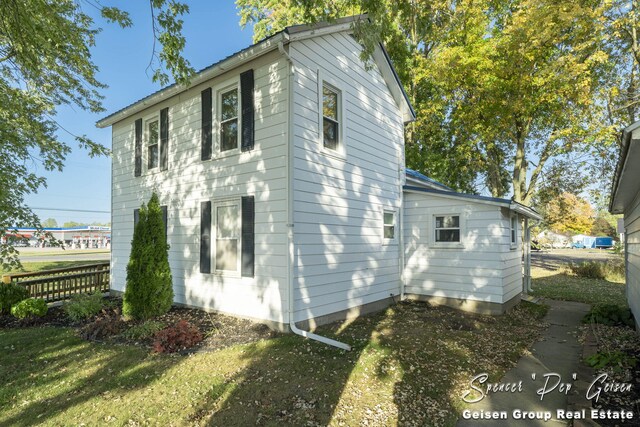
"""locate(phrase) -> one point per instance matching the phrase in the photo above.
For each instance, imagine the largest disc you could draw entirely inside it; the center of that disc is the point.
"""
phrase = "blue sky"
(212, 31)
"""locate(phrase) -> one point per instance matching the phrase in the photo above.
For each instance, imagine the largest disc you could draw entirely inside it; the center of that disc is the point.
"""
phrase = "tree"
(45, 62)
(49, 223)
(149, 288)
(569, 213)
(525, 78)
(602, 227)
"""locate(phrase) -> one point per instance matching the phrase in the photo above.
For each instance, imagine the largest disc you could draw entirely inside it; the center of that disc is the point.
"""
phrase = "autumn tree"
(570, 214)
(500, 88)
(45, 62)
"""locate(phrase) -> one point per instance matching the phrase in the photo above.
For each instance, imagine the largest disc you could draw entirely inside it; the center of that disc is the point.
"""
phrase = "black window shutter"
(164, 218)
(205, 237)
(248, 239)
(248, 125)
(206, 141)
(136, 217)
(138, 148)
(164, 139)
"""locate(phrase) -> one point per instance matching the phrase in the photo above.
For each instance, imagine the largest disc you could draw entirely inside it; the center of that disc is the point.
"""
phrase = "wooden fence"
(61, 283)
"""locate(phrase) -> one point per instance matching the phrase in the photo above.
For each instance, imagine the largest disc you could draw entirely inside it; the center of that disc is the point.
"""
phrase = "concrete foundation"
(480, 307)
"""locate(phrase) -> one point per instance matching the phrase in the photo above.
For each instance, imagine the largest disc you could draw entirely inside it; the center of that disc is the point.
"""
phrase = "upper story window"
(389, 225)
(229, 107)
(330, 117)
(447, 228)
(153, 140)
(514, 229)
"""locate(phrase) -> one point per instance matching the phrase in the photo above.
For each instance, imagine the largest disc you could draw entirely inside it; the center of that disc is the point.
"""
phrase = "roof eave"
(225, 65)
(621, 166)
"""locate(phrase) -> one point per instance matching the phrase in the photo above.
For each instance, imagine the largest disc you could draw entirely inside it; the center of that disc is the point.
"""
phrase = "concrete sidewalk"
(554, 360)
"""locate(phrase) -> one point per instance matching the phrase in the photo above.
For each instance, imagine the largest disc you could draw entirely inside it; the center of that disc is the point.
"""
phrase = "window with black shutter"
(164, 139)
(248, 239)
(138, 148)
(248, 119)
(205, 237)
(206, 134)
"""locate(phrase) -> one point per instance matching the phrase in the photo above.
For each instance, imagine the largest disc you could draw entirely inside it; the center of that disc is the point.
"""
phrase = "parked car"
(577, 245)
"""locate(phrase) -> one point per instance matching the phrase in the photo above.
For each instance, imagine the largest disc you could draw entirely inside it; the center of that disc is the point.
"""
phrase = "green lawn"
(562, 285)
(409, 365)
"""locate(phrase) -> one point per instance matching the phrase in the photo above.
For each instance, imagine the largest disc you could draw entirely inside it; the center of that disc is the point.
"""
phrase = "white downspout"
(290, 258)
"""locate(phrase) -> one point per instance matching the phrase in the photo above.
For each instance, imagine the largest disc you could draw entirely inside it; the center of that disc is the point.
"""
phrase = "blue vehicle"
(604, 242)
(577, 245)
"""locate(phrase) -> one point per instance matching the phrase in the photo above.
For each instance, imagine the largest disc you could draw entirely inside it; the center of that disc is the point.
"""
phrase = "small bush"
(143, 330)
(11, 294)
(610, 314)
(29, 308)
(179, 337)
(618, 360)
(105, 325)
(590, 270)
(83, 306)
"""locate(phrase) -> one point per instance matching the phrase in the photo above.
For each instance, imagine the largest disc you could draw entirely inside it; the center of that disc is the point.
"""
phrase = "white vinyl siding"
(189, 181)
(482, 267)
(632, 254)
(339, 200)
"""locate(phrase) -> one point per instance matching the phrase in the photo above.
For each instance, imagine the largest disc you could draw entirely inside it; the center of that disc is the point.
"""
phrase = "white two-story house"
(281, 171)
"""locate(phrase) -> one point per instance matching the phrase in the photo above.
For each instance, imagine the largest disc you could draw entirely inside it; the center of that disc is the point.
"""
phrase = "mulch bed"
(219, 331)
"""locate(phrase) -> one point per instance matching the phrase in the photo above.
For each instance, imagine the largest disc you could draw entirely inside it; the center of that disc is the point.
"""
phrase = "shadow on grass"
(36, 361)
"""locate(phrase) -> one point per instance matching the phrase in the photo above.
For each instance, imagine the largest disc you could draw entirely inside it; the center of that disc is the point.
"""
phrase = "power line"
(70, 210)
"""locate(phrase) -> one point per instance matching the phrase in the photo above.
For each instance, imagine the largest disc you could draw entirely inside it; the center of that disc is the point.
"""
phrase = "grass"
(560, 284)
(409, 365)
(48, 265)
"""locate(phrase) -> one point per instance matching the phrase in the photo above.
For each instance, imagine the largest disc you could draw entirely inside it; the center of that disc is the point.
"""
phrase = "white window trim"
(145, 142)
(216, 124)
(230, 201)
(432, 230)
(394, 212)
(513, 230)
(341, 152)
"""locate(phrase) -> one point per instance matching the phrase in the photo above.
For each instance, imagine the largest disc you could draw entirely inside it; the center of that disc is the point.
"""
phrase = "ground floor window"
(447, 228)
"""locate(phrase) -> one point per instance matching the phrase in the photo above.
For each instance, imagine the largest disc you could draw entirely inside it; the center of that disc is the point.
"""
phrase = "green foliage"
(589, 270)
(149, 289)
(181, 336)
(615, 359)
(83, 306)
(610, 314)
(11, 294)
(143, 330)
(31, 307)
(49, 223)
(45, 62)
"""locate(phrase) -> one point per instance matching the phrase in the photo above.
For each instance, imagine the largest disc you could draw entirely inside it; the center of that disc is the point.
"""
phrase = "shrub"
(610, 314)
(11, 294)
(83, 306)
(149, 289)
(29, 308)
(181, 336)
(105, 325)
(590, 270)
(143, 330)
(616, 359)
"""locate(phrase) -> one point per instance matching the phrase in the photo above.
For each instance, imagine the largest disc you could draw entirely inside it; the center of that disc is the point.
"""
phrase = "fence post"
(6, 279)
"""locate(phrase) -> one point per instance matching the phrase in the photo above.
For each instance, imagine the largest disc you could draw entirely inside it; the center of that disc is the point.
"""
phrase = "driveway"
(557, 258)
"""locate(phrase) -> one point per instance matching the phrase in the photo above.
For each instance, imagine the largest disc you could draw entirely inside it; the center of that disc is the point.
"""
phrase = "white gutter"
(290, 258)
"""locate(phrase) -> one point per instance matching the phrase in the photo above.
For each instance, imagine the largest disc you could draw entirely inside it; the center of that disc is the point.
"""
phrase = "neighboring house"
(625, 200)
(281, 172)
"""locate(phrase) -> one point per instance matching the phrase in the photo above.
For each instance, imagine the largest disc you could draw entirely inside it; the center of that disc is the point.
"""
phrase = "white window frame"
(513, 231)
(394, 224)
(146, 142)
(461, 226)
(236, 201)
(341, 151)
(216, 116)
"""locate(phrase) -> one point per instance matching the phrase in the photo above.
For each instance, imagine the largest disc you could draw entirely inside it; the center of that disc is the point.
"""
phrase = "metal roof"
(419, 176)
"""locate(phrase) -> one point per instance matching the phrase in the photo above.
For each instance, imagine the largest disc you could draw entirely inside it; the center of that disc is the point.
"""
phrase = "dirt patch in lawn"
(219, 331)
